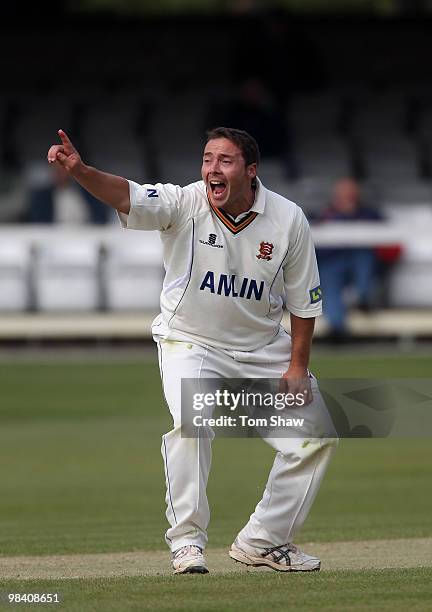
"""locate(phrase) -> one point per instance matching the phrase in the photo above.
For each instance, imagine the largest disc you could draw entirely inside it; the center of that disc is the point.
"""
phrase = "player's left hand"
(297, 381)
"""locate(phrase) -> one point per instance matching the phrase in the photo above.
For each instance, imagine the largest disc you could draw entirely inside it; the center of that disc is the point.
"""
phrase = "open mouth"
(218, 188)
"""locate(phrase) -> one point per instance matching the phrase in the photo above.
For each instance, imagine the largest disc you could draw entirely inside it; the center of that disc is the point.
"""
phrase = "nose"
(214, 167)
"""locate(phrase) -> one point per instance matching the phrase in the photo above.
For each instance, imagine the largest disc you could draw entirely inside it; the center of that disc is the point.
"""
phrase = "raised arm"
(108, 188)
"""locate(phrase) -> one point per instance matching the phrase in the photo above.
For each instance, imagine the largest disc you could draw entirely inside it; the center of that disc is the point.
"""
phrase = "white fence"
(86, 269)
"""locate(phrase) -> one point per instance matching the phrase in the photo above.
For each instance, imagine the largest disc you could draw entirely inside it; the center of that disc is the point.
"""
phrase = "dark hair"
(245, 142)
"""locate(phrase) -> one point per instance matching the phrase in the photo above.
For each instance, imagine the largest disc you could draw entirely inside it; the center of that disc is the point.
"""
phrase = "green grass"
(82, 472)
(361, 365)
(392, 590)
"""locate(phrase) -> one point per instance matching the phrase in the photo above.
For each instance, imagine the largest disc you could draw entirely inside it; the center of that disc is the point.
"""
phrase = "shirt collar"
(260, 198)
(259, 202)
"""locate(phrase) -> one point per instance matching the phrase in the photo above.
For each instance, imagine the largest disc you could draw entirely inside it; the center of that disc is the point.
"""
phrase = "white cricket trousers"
(298, 468)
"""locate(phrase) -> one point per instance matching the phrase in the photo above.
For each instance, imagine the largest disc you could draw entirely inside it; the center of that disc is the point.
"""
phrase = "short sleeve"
(301, 277)
(154, 207)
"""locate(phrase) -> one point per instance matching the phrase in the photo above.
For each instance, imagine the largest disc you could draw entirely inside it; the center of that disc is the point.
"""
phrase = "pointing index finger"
(64, 138)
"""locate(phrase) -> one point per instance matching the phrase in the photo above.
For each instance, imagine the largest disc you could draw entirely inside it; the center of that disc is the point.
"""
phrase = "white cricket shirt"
(227, 280)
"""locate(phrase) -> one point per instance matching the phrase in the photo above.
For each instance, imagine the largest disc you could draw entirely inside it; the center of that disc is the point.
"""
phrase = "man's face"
(346, 196)
(224, 171)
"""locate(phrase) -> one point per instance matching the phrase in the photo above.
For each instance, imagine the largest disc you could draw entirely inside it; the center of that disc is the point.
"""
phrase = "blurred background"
(338, 95)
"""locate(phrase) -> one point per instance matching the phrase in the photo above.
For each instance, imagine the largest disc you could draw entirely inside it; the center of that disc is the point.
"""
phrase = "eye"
(227, 162)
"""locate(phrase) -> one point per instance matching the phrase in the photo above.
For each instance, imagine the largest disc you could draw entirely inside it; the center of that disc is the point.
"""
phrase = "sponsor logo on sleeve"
(152, 193)
(315, 295)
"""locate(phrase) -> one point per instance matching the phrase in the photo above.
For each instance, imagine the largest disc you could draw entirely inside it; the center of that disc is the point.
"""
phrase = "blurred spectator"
(346, 267)
(53, 197)
(12, 197)
(39, 180)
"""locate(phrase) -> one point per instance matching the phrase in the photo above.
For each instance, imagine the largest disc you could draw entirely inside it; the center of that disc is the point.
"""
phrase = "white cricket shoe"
(284, 558)
(189, 560)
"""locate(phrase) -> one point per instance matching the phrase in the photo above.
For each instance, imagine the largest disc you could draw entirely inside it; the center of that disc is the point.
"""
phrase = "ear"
(251, 170)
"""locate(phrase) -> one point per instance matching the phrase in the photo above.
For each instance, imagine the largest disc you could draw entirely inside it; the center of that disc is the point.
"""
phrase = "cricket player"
(235, 253)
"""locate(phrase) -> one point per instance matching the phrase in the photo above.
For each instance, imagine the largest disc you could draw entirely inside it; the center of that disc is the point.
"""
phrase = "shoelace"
(282, 548)
(187, 550)
(281, 552)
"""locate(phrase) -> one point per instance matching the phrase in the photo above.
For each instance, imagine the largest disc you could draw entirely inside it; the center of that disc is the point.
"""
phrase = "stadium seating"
(157, 134)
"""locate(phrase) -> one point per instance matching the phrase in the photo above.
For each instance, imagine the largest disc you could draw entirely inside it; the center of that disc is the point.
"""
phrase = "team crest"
(265, 250)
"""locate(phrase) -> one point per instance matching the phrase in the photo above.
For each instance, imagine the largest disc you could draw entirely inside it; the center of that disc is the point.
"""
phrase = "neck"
(241, 205)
